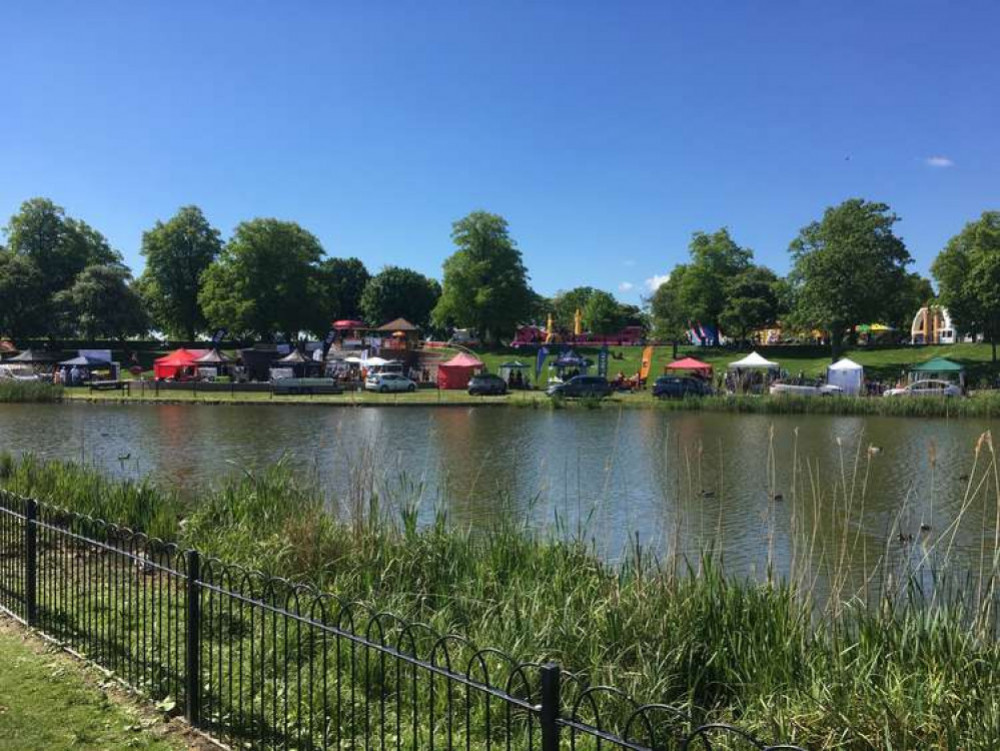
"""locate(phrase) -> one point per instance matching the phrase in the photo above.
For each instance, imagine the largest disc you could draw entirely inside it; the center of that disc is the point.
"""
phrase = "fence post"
(192, 675)
(31, 562)
(549, 715)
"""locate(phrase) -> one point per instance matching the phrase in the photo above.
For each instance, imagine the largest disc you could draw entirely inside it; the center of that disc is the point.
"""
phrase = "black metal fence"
(265, 663)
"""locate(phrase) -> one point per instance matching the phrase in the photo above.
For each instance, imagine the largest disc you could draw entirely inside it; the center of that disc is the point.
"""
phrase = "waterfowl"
(925, 527)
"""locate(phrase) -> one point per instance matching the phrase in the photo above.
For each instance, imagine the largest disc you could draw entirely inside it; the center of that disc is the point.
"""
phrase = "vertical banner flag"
(543, 352)
(602, 362)
(647, 363)
(218, 336)
(328, 342)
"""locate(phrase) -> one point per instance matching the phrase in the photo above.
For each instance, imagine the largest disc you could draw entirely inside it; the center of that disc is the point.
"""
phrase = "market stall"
(846, 374)
(690, 365)
(179, 365)
(751, 374)
(458, 371)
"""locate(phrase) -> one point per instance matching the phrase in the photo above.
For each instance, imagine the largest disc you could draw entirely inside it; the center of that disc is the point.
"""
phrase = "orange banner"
(647, 363)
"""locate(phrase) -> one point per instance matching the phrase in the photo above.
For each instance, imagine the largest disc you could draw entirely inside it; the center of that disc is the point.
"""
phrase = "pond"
(805, 493)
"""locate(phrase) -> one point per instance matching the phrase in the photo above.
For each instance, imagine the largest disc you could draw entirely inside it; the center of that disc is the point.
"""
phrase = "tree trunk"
(675, 350)
(993, 341)
(835, 342)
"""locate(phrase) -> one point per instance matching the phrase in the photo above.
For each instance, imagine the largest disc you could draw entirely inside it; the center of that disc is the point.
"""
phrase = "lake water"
(759, 487)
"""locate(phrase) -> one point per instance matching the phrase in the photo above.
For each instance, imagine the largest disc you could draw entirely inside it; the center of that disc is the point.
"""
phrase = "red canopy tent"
(349, 325)
(689, 363)
(170, 365)
(455, 373)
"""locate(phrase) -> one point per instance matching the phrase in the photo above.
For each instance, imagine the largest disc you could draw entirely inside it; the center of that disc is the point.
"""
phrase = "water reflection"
(764, 490)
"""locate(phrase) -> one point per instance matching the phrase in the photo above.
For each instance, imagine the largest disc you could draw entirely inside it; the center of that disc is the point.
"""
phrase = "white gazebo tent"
(847, 374)
(753, 361)
(752, 374)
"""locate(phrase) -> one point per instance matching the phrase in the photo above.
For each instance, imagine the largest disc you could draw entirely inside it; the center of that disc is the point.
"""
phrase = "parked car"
(581, 385)
(797, 389)
(386, 382)
(929, 387)
(678, 387)
(487, 384)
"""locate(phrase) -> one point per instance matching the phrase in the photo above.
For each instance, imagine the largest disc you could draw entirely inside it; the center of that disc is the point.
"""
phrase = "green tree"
(266, 281)
(59, 246)
(915, 292)
(103, 303)
(396, 292)
(844, 267)
(666, 307)
(177, 254)
(751, 302)
(968, 276)
(566, 303)
(602, 314)
(344, 280)
(22, 292)
(485, 282)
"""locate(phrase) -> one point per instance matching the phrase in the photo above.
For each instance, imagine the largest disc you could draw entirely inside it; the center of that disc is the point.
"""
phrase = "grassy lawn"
(46, 702)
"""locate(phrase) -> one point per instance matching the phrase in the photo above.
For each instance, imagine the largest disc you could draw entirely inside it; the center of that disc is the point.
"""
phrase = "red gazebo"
(456, 373)
(169, 366)
(697, 367)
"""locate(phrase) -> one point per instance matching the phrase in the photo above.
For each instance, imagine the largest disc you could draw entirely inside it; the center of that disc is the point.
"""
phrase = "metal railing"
(261, 662)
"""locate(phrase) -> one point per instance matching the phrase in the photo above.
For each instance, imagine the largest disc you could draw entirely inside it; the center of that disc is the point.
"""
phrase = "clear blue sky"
(604, 132)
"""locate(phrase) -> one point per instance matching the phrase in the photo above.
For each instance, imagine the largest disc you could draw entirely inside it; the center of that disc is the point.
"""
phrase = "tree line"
(60, 278)
(848, 268)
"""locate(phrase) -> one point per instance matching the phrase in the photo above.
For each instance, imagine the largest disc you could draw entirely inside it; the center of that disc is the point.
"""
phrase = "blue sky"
(604, 132)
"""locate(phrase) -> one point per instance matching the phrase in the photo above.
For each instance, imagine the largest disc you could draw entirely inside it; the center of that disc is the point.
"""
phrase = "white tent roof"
(753, 360)
(845, 363)
(375, 362)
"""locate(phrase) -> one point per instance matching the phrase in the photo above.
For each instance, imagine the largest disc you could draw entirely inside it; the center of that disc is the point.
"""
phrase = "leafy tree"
(751, 302)
(266, 281)
(22, 292)
(602, 314)
(344, 280)
(60, 247)
(177, 253)
(666, 305)
(968, 276)
(843, 267)
(915, 292)
(485, 281)
(566, 303)
(396, 292)
(103, 303)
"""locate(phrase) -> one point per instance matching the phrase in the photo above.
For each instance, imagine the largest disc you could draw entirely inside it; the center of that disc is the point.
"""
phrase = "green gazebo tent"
(940, 368)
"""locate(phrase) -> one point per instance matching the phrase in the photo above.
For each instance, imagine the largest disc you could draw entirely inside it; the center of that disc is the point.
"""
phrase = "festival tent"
(938, 368)
(689, 363)
(35, 357)
(298, 362)
(847, 374)
(214, 357)
(349, 325)
(753, 361)
(456, 373)
(509, 367)
(169, 366)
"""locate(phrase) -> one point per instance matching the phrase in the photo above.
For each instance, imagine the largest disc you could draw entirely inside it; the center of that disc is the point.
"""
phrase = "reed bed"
(846, 644)
(29, 391)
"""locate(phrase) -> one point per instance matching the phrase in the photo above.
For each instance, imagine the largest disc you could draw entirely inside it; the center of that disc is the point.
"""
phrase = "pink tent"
(456, 373)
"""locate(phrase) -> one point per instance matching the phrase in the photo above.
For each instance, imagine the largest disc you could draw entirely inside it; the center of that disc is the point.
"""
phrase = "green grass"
(921, 670)
(45, 703)
(29, 391)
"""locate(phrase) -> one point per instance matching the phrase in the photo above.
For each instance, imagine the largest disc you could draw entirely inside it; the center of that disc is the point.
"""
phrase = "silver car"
(929, 387)
(387, 382)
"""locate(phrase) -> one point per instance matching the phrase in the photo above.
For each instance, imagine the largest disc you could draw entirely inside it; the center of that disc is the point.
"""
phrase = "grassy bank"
(981, 405)
(29, 391)
(915, 670)
(45, 703)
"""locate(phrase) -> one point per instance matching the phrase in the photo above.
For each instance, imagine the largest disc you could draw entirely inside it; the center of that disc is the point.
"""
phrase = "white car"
(802, 390)
(386, 382)
(930, 387)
